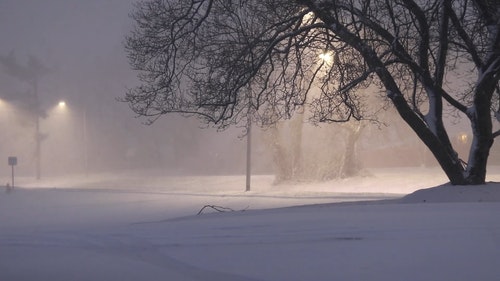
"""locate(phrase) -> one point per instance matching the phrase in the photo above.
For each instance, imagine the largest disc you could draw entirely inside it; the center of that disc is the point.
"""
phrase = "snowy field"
(144, 226)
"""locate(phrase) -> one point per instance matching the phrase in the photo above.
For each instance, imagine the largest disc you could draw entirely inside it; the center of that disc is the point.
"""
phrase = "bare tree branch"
(215, 59)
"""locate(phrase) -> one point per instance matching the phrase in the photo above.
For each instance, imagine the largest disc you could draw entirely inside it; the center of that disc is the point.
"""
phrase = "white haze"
(81, 42)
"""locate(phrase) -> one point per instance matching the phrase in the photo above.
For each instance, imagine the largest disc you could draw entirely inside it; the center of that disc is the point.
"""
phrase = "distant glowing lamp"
(62, 104)
(462, 138)
(3, 103)
(326, 57)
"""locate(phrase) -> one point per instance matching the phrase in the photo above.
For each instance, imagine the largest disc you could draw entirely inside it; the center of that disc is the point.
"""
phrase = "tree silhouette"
(204, 57)
(29, 100)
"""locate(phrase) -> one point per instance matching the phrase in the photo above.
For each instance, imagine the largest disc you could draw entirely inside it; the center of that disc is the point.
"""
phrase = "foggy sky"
(81, 41)
(64, 31)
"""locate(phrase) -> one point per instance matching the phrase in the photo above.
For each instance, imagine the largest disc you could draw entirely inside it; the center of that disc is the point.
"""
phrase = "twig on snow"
(218, 209)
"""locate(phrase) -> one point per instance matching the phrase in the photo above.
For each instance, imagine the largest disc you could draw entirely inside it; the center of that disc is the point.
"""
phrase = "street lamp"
(462, 138)
(249, 142)
(85, 142)
(38, 136)
(62, 105)
(249, 153)
(326, 57)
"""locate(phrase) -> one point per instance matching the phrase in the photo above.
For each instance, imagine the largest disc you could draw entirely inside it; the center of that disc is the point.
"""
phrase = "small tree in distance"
(218, 59)
(31, 74)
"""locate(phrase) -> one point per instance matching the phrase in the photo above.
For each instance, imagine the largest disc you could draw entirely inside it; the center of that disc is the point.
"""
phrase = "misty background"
(81, 42)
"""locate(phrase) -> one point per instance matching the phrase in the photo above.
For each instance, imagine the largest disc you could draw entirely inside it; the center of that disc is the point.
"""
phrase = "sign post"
(12, 160)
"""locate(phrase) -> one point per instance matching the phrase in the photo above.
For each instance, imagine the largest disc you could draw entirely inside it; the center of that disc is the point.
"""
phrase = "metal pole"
(249, 154)
(38, 148)
(12, 166)
(85, 143)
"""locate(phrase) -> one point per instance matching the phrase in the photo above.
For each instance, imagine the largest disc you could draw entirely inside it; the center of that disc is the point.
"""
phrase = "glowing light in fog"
(463, 138)
(326, 57)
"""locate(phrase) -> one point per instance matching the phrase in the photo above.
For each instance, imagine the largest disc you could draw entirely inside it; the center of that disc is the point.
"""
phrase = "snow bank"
(449, 193)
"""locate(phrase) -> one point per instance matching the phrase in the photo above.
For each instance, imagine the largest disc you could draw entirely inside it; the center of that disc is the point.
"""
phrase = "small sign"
(12, 161)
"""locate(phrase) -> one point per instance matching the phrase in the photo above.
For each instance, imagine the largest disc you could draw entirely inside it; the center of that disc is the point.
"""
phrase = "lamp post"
(249, 153)
(249, 141)
(85, 143)
(38, 136)
(29, 73)
(62, 104)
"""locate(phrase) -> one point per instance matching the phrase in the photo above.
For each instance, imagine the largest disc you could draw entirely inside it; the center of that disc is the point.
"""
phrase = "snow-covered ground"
(144, 226)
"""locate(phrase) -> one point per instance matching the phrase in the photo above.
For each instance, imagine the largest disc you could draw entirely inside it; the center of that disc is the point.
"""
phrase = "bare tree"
(217, 58)
(31, 74)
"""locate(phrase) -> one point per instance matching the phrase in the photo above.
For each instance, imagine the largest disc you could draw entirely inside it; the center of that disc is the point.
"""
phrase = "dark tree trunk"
(481, 123)
(478, 159)
(443, 153)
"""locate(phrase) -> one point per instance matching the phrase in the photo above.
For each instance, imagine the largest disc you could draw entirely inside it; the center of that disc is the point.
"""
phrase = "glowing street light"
(325, 61)
(61, 104)
(326, 57)
(462, 138)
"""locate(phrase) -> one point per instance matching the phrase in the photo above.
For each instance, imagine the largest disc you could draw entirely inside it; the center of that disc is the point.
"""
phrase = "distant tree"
(303, 152)
(29, 100)
(217, 58)
(284, 142)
